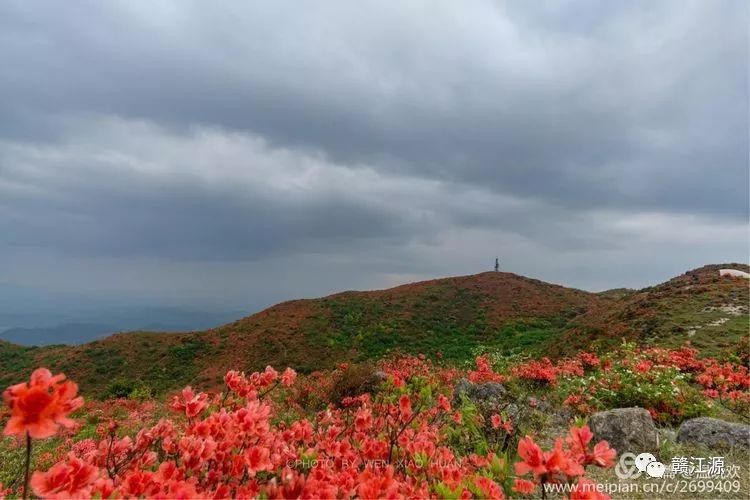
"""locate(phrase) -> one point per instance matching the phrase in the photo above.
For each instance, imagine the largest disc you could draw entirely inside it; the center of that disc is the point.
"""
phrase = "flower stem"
(28, 463)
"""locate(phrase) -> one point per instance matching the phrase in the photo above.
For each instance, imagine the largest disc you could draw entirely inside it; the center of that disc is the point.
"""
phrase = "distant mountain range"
(85, 327)
(67, 333)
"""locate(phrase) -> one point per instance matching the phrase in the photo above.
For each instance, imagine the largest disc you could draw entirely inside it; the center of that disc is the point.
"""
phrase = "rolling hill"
(454, 316)
(697, 306)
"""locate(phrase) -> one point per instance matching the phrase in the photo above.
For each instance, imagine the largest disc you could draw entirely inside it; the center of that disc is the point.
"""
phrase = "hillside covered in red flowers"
(457, 317)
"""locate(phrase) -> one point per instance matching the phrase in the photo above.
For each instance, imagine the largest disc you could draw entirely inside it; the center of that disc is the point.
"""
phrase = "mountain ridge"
(455, 316)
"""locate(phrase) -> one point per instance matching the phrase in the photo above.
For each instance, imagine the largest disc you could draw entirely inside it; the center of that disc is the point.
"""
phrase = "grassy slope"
(698, 306)
(500, 311)
(452, 315)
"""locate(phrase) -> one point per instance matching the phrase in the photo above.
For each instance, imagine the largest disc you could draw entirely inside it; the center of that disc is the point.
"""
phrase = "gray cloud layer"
(249, 152)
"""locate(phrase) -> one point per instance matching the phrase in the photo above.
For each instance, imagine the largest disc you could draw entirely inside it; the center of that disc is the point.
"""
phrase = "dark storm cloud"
(176, 130)
(183, 223)
(92, 198)
(655, 89)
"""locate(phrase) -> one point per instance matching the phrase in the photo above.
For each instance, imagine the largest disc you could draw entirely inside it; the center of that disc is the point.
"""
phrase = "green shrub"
(129, 388)
(355, 380)
(664, 391)
(120, 388)
(141, 392)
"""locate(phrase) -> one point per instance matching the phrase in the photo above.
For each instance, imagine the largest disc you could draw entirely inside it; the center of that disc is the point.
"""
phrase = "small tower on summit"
(497, 265)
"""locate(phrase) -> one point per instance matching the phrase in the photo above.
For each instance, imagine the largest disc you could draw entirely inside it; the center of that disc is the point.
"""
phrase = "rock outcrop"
(486, 392)
(626, 430)
(714, 433)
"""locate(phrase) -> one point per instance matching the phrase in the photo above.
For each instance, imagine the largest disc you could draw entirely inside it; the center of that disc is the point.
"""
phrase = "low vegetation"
(394, 427)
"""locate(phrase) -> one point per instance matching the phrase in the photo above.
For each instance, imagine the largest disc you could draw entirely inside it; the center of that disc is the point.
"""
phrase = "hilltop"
(455, 317)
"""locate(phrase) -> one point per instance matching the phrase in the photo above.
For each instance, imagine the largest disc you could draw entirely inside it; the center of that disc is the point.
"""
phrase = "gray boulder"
(625, 429)
(714, 433)
(478, 393)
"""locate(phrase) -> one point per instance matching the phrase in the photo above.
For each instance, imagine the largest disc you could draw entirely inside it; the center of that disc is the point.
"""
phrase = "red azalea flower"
(603, 455)
(404, 407)
(532, 458)
(363, 419)
(42, 405)
(524, 486)
(190, 402)
(71, 478)
(496, 421)
(489, 488)
(288, 377)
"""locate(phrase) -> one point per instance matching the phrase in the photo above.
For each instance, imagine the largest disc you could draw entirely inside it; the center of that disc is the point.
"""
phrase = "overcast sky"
(239, 153)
